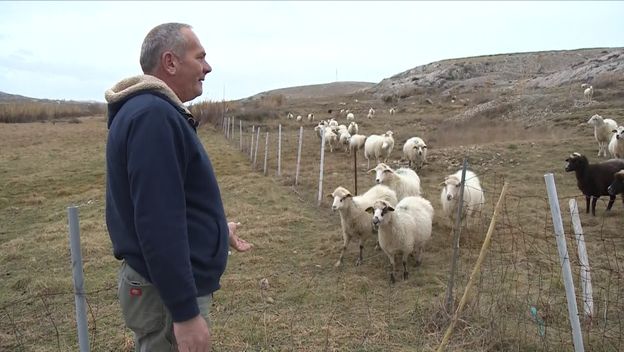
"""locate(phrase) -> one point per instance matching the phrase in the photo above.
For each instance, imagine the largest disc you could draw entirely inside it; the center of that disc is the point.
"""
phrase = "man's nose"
(207, 68)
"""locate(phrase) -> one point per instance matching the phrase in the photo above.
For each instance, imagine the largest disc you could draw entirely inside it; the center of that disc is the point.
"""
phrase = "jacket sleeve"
(156, 170)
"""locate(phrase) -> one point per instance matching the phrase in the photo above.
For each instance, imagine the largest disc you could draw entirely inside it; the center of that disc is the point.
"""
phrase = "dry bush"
(208, 112)
(257, 114)
(49, 110)
(607, 80)
(483, 96)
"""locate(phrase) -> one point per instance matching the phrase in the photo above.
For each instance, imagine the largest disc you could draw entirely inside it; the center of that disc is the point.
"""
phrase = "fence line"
(518, 301)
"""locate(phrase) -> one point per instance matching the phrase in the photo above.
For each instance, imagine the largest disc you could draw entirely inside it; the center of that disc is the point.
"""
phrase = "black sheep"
(617, 186)
(594, 179)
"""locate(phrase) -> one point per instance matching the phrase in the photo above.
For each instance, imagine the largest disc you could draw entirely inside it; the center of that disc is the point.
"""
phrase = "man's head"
(173, 53)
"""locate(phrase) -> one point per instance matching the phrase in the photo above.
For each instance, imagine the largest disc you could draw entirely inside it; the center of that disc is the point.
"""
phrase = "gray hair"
(164, 37)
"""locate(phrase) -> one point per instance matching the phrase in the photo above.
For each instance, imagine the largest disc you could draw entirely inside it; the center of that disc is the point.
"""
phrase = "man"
(164, 211)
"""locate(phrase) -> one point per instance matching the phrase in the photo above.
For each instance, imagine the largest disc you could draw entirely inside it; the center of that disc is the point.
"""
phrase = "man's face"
(191, 68)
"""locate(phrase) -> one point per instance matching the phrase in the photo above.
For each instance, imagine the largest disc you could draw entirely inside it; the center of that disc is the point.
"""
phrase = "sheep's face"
(340, 199)
(575, 162)
(451, 188)
(617, 186)
(382, 173)
(619, 133)
(379, 209)
(595, 120)
(420, 149)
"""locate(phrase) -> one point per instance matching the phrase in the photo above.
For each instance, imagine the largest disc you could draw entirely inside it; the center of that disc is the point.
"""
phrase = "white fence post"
(299, 155)
(555, 211)
(320, 190)
(279, 150)
(253, 133)
(586, 284)
(256, 151)
(232, 129)
(79, 294)
(240, 134)
(266, 153)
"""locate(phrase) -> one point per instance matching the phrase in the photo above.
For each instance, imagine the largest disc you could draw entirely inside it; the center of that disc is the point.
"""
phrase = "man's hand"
(193, 335)
(235, 242)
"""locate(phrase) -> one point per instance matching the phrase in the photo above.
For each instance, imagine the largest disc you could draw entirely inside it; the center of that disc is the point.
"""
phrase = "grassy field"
(311, 305)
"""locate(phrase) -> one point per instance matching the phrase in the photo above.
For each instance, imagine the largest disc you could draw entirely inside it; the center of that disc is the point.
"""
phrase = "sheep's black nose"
(448, 197)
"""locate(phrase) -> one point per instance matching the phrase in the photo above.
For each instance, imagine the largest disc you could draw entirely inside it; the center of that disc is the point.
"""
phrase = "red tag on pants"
(135, 291)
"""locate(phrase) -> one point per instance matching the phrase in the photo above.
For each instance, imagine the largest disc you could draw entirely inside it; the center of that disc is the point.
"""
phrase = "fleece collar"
(132, 85)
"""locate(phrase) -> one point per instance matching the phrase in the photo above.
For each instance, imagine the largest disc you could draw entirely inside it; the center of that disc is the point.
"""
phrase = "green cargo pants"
(145, 314)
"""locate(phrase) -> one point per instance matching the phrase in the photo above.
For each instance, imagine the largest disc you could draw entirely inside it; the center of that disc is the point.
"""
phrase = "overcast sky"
(76, 50)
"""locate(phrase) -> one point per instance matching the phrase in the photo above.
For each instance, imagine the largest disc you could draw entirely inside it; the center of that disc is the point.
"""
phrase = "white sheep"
(473, 199)
(403, 229)
(353, 128)
(350, 116)
(299, 118)
(290, 116)
(392, 111)
(603, 130)
(378, 147)
(310, 117)
(344, 140)
(371, 113)
(584, 85)
(415, 150)
(405, 182)
(589, 93)
(616, 145)
(331, 139)
(332, 122)
(354, 220)
(356, 142)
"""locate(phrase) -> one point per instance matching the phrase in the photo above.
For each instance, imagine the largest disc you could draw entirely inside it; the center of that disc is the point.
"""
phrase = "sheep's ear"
(388, 170)
(329, 195)
(370, 210)
(389, 208)
(370, 171)
(442, 183)
(614, 131)
(348, 195)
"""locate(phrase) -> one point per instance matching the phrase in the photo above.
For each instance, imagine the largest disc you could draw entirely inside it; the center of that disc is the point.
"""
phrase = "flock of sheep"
(393, 211)
(400, 218)
(605, 178)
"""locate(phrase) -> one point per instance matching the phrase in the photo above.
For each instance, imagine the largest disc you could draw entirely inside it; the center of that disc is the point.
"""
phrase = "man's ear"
(168, 61)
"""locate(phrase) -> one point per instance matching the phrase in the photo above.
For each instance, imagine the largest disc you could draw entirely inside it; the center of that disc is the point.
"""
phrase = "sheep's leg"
(392, 268)
(587, 204)
(593, 205)
(611, 201)
(345, 242)
(405, 273)
(360, 258)
(418, 255)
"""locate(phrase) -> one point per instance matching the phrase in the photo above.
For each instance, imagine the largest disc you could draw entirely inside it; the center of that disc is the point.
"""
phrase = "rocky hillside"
(315, 91)
(539, 69)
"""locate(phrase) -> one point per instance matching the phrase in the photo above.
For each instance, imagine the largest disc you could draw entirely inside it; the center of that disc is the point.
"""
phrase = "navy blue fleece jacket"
(163, 206)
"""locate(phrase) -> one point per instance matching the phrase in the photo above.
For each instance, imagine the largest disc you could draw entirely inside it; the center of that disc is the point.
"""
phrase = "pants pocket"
(141, 305)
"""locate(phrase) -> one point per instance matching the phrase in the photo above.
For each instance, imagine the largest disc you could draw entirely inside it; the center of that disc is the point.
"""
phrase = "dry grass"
(314, 306)
(23, 111)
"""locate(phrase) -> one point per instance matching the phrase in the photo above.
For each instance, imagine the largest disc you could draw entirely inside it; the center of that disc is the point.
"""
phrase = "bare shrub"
(31, 111)
(483, 96)
(607, 80)
(257, 114)
(208, 112)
